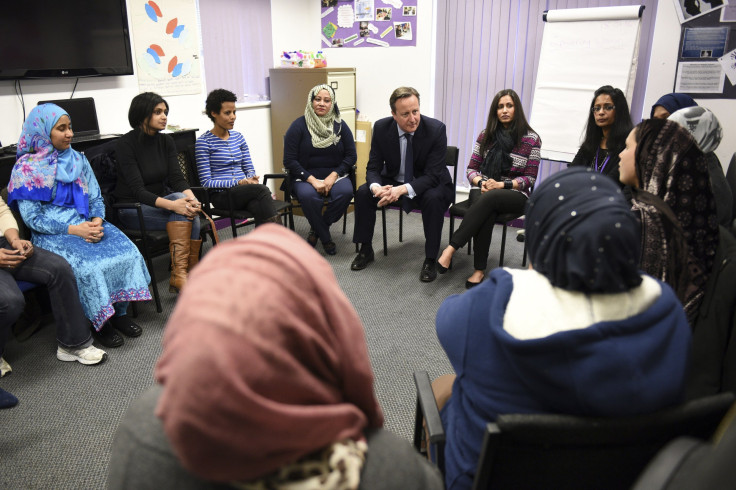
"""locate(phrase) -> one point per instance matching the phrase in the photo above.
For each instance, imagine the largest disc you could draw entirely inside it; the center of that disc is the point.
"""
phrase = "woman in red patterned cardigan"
(504, 166)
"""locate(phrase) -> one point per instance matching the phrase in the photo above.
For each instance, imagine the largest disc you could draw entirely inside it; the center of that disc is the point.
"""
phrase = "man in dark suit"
(407, 159)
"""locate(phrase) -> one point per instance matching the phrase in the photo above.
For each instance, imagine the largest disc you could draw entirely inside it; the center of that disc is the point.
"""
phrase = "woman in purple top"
(504, 166)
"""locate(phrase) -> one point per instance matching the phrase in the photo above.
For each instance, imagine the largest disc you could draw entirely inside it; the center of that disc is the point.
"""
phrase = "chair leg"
(152, 273)
(503, 246)
(232, 226)
(291, 220)
(401, 225)
(344, 222)
(523, 260)
(385, 242)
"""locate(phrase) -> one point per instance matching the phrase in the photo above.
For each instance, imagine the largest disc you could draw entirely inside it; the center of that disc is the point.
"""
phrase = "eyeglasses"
(605, 108)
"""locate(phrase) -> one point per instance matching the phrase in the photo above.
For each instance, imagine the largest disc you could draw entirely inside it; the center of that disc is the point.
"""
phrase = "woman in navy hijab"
(583, 332)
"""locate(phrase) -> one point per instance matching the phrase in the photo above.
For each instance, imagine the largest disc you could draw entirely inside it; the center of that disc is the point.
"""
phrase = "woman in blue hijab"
(59, 199)
(582, 333)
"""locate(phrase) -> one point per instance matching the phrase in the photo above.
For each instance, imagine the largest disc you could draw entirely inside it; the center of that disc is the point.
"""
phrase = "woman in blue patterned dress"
(59, 199)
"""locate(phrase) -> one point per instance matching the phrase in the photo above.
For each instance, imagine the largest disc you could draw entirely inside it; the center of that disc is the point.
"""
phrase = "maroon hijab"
(264, 360)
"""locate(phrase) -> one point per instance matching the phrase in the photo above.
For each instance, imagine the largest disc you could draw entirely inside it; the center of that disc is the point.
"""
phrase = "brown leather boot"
(194, 246)
(179, 233)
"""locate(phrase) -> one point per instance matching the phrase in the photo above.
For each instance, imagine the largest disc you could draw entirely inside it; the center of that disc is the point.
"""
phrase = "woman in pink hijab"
(265, 381)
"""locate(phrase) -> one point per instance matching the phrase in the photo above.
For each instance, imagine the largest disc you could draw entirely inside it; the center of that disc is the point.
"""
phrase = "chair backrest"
(731, 179)
(451, 157)
(104, 165)
(23, 230)
(560, 451)
(188, 164)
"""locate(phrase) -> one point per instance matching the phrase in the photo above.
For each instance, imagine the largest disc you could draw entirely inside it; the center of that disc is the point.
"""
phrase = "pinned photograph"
(410, 11)
(403, 30)
(364, 31)
(688, 10)
(328, 3)
(383, 14)
(337, 43)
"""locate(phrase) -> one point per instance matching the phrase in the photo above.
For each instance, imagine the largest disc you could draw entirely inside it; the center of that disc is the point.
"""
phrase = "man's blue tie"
(406, 203)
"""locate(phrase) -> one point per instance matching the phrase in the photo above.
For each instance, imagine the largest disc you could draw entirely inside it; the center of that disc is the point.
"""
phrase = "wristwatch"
(508, 184)
(481, 181)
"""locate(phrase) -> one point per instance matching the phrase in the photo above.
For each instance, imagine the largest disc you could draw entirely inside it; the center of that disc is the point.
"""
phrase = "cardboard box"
(363, 133)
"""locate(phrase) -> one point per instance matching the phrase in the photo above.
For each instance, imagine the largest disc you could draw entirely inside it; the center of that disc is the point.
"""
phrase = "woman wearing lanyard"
(609, 123)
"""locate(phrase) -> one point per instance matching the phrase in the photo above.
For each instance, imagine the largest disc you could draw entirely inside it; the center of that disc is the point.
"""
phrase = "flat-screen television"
(64, 39)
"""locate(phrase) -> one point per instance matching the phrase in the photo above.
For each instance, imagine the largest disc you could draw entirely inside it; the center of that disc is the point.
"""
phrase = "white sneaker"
(4, 367)
(88, 355)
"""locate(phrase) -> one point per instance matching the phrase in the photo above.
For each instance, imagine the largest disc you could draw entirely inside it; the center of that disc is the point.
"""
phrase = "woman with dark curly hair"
(223, 162)
(609, 123)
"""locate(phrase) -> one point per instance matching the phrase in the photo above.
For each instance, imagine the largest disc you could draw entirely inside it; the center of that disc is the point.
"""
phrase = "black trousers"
(479, 221)
(254, 198)
(433, 203)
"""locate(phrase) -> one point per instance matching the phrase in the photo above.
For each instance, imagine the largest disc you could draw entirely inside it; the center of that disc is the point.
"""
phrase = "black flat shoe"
(441, 269)
(362, 261)
(108, 337)
(330, 248)
(429, 271)
(469, 284)
(126, 326)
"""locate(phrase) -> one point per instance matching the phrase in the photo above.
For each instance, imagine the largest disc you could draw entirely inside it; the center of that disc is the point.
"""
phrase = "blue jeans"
(157, 218)
(48, 269)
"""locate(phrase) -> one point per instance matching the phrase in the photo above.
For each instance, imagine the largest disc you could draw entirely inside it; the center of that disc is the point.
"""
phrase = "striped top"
(222, 163)
(525, 164)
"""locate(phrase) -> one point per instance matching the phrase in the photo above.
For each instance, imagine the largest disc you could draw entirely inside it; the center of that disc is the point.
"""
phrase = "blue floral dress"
(107, 272)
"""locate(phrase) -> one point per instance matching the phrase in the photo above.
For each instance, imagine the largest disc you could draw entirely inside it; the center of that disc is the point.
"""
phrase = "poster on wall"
(705, 60)
(688, 10)
(368, 23)
(166, 44)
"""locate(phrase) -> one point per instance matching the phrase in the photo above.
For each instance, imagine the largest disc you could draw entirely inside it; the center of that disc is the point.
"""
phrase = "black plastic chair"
(238, 217)
(570, 452)
(451, 158)
(689, 462)
(149, 242)
(460, 209)
(287, 188)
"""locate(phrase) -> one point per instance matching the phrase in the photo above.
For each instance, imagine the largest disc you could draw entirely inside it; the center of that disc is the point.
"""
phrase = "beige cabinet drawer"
(344, 86)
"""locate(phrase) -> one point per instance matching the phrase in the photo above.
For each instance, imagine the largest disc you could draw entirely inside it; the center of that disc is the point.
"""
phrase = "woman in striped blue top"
(223, 162)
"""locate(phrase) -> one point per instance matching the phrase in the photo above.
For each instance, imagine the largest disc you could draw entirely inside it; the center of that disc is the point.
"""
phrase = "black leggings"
(254, 198)
(479, 221)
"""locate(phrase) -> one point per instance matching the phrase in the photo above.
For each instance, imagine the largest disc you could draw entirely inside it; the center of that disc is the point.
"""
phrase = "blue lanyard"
(605, 162)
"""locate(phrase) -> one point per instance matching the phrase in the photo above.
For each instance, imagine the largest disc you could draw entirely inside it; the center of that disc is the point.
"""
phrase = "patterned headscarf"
(254, 383)
(40, 168)
(673, 103)
(670, 166)
(581, 234)
(322, 128)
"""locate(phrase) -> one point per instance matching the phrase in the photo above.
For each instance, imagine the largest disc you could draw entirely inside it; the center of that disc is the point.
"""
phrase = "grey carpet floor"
(60, 434)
